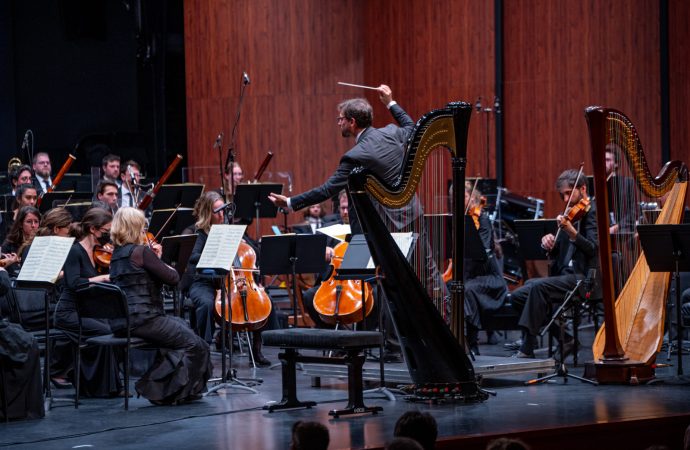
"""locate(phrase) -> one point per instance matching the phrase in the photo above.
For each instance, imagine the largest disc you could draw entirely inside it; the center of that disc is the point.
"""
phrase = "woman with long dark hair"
(99, 366)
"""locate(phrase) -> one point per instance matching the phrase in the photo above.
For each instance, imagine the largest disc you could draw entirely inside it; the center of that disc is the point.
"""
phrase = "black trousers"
(534, 300)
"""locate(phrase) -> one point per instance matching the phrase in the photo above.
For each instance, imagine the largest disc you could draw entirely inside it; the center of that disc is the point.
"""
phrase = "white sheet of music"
(46, 257)
(221, 247)
(404, 241)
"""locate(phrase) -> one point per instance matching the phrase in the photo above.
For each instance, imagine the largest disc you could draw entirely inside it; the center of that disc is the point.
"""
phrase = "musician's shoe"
(261, 360)
(512, 346)
(60, 383)
(519, 354)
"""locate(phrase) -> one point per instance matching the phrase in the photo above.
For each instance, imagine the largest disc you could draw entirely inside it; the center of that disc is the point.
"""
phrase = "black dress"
(485, 287)
(99, 365)
(183, 365)
(202, 292)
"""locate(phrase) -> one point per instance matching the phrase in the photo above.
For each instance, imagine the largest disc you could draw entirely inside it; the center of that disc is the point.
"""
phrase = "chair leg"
(127, 377)
(77, 377)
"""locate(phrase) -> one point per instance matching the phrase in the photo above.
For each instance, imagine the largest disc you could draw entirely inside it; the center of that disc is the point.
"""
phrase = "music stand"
(176, 252)
(53, 199)
(171, 195)
(529, 234)
(667, 249)
(357, 265)
(252, 202)
(181, 220)
(293, 254)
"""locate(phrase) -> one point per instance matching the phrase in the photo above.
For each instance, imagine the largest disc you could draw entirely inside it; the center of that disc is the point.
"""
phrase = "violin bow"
(165, 224)
(570, 198)
(474, 187)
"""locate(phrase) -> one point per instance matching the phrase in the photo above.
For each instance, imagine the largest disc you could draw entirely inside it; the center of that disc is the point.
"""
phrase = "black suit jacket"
(583, 251)
(378, 149)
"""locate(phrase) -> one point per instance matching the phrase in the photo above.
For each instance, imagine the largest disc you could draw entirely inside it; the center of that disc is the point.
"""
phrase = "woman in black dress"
(485, 287)
(183, 364)
(99, 365)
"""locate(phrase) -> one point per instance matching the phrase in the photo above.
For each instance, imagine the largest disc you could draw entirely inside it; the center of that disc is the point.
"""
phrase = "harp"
(434, 353)
(626, 346)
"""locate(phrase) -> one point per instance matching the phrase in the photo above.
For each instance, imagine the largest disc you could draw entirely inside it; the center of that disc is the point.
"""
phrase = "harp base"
(465, 392)
(620, 372)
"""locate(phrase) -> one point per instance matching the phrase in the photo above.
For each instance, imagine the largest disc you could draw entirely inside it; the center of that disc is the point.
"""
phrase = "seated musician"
(485, 287)
(202, 290)
(99, 365)
(42, 168)
(106, 196)
(110, 169)
(20, 175)
(21, 233)
(130, 193)
(26, 195)
(183, 365)
(623, 214)
(575, 252)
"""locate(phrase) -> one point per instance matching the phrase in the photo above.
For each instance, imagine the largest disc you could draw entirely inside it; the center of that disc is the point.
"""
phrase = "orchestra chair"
(106, 301)
(31, 308)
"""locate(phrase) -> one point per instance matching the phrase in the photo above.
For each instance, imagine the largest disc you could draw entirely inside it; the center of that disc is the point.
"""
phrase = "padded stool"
(352, 343)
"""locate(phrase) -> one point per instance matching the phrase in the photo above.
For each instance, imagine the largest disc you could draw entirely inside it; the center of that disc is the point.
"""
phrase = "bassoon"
(148, 198)
(60, 175)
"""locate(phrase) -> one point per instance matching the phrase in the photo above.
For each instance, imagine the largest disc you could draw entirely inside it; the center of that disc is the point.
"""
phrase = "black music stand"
(293, 254)
(176, 253)
(355, 266)
(252, 202)
(529, 234)
(54, 199)
(667, 249)
(184, 195)
(181, 220)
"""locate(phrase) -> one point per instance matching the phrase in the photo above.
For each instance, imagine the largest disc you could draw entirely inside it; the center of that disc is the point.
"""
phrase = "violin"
(340, 301)
(102, 255)
(476, 211)
(250, 305)
(578, 210)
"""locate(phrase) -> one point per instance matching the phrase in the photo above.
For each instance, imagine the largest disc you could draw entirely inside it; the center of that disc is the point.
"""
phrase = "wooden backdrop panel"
(561, 57)
(433, 52)
(679, 74)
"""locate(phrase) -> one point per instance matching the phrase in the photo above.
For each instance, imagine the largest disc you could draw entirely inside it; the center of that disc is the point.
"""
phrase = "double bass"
(249, 303)
(340, 301)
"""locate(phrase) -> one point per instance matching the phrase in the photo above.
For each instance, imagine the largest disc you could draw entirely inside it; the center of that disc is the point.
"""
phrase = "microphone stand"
(231, 150)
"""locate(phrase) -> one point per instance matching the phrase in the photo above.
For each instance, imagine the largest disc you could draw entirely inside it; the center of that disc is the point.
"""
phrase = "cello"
(340, 301)
(250, 305)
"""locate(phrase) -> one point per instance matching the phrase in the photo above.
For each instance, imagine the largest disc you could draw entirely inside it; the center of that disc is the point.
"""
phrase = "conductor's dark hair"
(569, 179)
(309, 436)
(358, 109)
(419, 426)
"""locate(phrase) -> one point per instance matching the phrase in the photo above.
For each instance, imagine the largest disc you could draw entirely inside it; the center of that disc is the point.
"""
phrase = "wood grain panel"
(679, 74)
(561, 57)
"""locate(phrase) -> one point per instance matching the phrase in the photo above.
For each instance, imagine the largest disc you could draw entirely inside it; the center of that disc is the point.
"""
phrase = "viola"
(340, 301)
(250, 305)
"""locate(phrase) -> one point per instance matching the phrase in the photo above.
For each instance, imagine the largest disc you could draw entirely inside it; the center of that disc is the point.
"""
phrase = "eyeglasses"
(43, 163)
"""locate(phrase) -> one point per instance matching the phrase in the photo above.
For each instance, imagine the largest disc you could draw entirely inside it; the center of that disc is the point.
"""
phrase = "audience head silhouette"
(403, 443)
(309, 436)
(419, 426)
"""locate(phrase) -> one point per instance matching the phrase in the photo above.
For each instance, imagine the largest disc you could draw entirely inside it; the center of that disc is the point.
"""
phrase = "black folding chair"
(105, 301)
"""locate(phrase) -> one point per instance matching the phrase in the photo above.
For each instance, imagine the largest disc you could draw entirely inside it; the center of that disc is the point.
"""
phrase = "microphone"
(131, 175)
(219, 139)
(478, 104)
(25, 142)
(245, 78)
(222, 207)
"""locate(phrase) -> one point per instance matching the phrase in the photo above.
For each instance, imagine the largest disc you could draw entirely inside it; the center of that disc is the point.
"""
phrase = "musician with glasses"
(42, 168)
(377, 149)
(573, 253)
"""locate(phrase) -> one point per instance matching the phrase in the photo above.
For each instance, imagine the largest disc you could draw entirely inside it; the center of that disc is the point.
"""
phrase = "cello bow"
(148, 198)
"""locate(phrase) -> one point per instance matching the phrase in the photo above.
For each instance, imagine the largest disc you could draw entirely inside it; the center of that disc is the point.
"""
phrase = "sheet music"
(404, 242)
(46, 257)
(337, 231)
(221, 247)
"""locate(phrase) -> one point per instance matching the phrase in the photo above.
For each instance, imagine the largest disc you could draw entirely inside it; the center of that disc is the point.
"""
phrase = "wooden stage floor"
(554, 415)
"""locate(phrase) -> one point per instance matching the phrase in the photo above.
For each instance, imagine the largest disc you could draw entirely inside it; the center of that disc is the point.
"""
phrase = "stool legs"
(288, 361)
(355, 387)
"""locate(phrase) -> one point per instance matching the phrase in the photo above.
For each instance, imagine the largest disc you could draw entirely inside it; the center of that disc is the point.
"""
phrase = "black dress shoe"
(515, 345)
(60, 383)
(519, 354)
(261, 360)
